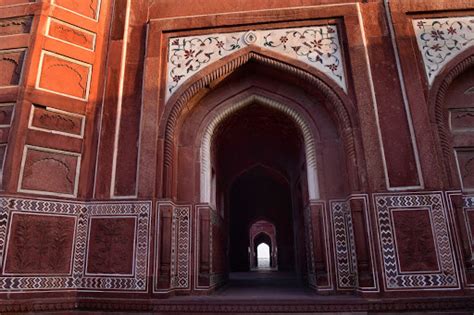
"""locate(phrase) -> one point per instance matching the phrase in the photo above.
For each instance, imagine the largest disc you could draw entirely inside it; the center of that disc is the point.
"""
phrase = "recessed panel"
(462, 120)
(65, 76)
(465, 159)
(6, 114)
(15, 25)
(56, 121)
(40, 244)
(47, 171)
(414, 240)
(111, 246)
(71, 34)
(11, 66)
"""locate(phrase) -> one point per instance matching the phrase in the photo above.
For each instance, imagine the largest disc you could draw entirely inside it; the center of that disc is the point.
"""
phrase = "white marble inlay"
(441, 40)
(317, 46)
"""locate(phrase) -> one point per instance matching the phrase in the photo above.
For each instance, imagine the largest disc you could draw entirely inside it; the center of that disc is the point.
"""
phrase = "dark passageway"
(258, 157)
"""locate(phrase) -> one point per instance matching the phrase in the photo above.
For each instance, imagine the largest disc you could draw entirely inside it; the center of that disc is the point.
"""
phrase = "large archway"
(258, 157)
(258, 145)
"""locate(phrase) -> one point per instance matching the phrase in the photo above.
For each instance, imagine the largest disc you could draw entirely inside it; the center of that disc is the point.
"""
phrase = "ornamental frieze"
(317, 46)
(441, 40)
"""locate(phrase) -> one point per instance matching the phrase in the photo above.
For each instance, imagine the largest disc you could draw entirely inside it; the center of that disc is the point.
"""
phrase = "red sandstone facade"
(140, 140)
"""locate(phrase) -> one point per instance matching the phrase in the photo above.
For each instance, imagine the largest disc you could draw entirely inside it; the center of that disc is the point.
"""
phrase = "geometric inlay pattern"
(468, 201)
(83, 212)
(181, 246)
(317, 46)
(469, 214)
(441, 40)
(344, 243)
(395, 278)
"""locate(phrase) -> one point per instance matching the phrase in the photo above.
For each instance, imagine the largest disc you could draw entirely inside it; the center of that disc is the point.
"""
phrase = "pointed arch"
(337, 102)
(437, 100)
(298, 119)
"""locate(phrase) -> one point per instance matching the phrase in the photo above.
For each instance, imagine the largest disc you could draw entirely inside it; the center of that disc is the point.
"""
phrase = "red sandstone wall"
(82, 112)
(56, 54)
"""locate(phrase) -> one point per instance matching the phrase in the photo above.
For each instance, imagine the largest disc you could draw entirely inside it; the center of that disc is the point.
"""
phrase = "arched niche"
(203, 85)
(230, 107)
(452, 115)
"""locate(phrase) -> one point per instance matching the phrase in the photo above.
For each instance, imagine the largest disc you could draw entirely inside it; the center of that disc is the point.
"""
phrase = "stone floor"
(268, 288)
(261, 285)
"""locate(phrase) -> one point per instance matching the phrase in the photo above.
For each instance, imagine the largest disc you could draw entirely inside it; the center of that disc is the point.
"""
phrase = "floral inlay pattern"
(441, 40)
(318, 47)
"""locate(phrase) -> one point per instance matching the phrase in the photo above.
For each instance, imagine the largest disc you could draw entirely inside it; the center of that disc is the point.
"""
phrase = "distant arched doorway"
(263, 232)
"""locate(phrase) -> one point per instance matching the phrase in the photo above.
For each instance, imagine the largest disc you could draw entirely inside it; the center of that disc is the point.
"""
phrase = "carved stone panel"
(52, 172)
(414, 240)
(71, 34)
(6, 114)
(465, 159)
(88, 8)
(56, 121)
(64, 76)
(111, 246)
(40, 244)
(462, 120)
(415, 227)
(15, 25)
(11, 65)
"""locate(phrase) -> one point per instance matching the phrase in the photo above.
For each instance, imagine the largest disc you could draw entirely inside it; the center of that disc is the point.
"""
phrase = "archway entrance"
(258, 158)
(247, 152)
(263, 233)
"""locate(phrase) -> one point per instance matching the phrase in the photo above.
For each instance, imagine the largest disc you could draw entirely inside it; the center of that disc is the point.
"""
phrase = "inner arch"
(298, 119)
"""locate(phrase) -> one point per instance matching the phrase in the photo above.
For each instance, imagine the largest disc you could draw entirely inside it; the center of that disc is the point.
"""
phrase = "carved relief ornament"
(317, 46)
(441, 40)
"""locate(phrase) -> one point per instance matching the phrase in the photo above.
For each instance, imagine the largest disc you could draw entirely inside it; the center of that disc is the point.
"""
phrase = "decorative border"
(62, 133)
(181, 247)
(469, 201)
(83, 212)
(344, 245)
(317, 46)
(181, 234)
(78, 62)
(142, 212)
(48, 27)
(395, 280)
(50, 193)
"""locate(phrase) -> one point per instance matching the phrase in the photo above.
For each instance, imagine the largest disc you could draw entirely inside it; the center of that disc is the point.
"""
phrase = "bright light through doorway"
(263, 256)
